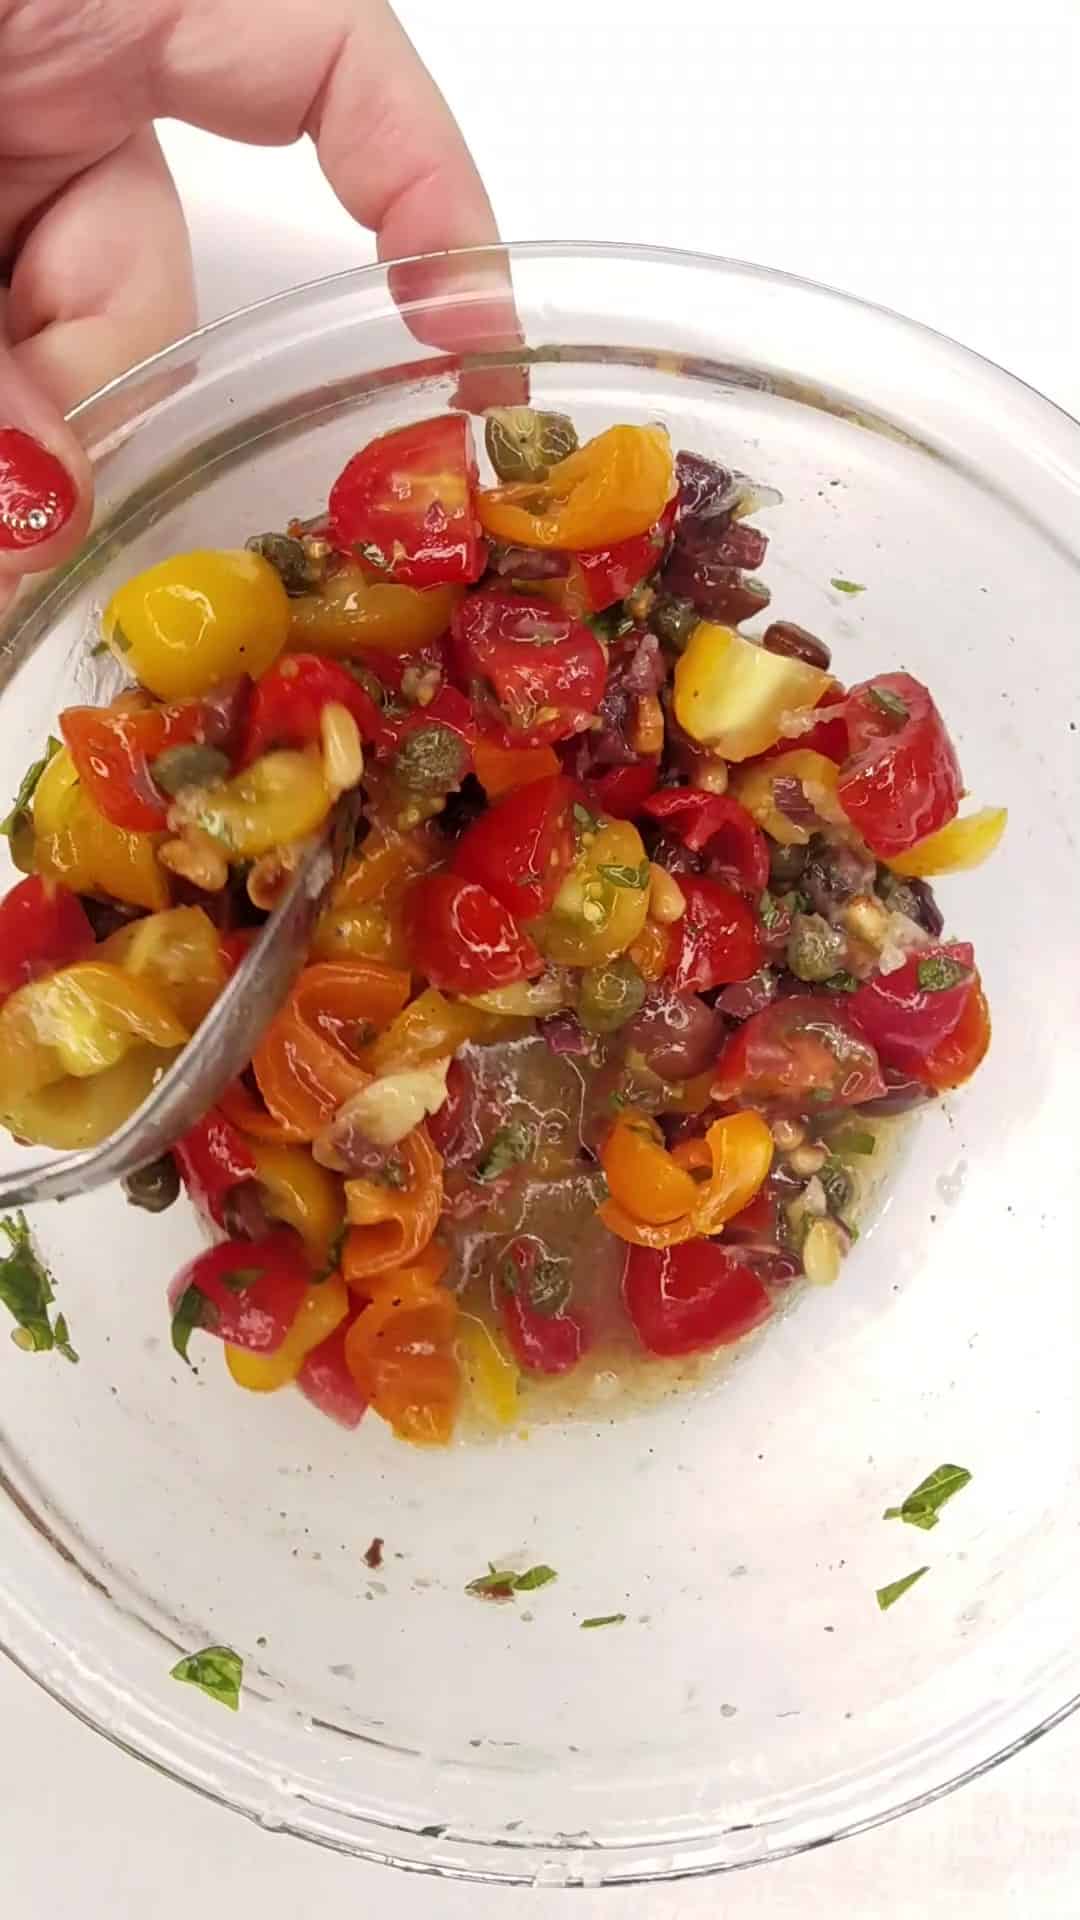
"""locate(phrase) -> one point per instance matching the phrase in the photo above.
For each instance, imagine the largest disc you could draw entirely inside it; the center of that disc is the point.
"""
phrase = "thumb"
(45, 484)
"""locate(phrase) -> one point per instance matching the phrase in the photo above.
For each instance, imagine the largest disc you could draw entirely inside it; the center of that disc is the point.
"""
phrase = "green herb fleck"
(604, 1620)
(853, 1140)
(888, 1596)
(921, 1508)
(769, 910)
(846, 586)
(510, 1146)
(939, 973)
(194, 1310)
(218, 1671)
(841, 983)
(26, 1291)
(797, 902)
(888, 701)
(611, 624)
(20, 806)
(635, 877)
(118, 639)
(550, 1287)
(502, 1583)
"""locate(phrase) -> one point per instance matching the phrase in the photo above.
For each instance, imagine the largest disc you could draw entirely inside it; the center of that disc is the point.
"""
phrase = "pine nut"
(343, 755)
(667, 902)
(807, 1160)
(788, 1134)
(710, 776)
(822, 1253)
(195, 856)
(646, 730)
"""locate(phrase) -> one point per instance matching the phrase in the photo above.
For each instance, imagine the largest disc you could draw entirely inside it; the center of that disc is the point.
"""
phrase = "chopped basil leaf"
(118, 639)
(188, 1314)
(939, 973)
(921, 1507)
(853, 1140)
(611, 624)
(846, 586)
(841, 983)
(550, 1287)
(510, 1146)
(769, 911)
(20, 806)
(888, 1596)
(797, 902)
(502, 1584)
(218, 1671)
(604, 1620)
(635, 877)
(888, 701)
(27, 1293)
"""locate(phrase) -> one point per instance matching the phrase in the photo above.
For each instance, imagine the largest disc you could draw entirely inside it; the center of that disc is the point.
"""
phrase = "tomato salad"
(634, 948)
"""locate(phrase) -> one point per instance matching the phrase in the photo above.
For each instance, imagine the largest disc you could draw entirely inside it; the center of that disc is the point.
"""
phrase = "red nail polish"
(37, 493)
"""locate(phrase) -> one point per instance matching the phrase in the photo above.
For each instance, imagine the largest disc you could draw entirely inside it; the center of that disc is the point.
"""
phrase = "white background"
(927, 157)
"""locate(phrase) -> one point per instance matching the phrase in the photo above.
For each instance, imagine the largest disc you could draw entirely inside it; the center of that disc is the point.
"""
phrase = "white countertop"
(926, 156)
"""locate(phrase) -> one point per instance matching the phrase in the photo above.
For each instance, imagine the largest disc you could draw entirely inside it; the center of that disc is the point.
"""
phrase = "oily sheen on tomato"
(691, 1297)
(536, 674)
(909, 1013)
(901, 780)
(717, 941)
(406, 504)
(463, 939)
(522, 848)
(799, 1050)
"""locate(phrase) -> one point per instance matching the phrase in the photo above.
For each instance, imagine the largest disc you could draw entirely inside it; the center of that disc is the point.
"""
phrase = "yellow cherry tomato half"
(613, 487)
(491, 1376)
(178, 952)
(79, 1021)
(602, 905)
(198, 618)
(298, 1191)
(324, 1306)
(70, 1113)
(963, 844)
(754, 787)
(280, 798)
(734, 697)
(76, 846)
(354, 614)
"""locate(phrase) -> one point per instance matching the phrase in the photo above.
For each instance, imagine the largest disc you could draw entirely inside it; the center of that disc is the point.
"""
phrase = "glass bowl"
(755, 1701)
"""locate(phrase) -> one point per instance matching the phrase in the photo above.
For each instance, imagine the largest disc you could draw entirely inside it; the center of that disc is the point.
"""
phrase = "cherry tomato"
(252, 1290)
(463, 939)
(407, 504)
(901, 780)
(955, 1058)
(355, 615)
(718, 826)
(688, 1298)
(325, 1380)
(113, 750)
(611, 489)
(907, 1014)
(543, 1342)
(287, 704)
(197, 619)
(42, 927)
(213, 1158)
(609, 573)
(801, 1050)
(717, 940)
(521, 849)
(621, 792)
(537, 674)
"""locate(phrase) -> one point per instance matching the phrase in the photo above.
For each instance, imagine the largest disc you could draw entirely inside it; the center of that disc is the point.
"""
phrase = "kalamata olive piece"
(673, 620)
(786, 866)
(913, 897)
(290, 560)
(676, 1033)
(834, 873)
(705, 487)
(243, 1214)
(524, 443)
(796, 643)
(719, 592)
(667, 852)
(154, 1187)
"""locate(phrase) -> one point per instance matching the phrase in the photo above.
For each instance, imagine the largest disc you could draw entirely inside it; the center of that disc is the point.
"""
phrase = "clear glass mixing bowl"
(755, 1701)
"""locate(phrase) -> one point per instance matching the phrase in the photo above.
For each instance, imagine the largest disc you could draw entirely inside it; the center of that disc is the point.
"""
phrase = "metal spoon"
(218, 1050)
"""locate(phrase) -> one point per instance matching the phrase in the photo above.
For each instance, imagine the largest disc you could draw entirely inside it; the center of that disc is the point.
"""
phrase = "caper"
(838, 1184)
(154, 1187)
(673, 620)
(289, 559)
(524, 444)
(431, 761)
(786, 866)
(20, 832)
(189, 766)
(814, 949)
(609, 995)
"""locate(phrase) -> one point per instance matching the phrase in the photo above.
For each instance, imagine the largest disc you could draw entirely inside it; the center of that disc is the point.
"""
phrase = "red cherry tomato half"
(522, 848)
(113, 750)
(906, 1014)
(287, 704)
(688, 1298)
(901, 780)
(42, 927)
(537, 674)
(719, 826)
(955, 1059)
(802, 1050)
(463, 939)
(609, 573)
(542, 1342)
(325, 1380)
(406, 503)
(717, 940)
(213, 1158)
(251, 1289)
(622, 791)
(449, 708)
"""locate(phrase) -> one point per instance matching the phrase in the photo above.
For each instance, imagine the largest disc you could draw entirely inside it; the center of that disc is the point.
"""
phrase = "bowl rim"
(25, 1638)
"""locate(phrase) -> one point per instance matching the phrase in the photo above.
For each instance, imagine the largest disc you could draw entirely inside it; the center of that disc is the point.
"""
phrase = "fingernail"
(37, 493)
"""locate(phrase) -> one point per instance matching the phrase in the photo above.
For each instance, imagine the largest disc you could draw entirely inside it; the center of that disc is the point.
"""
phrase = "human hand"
(93, 245)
